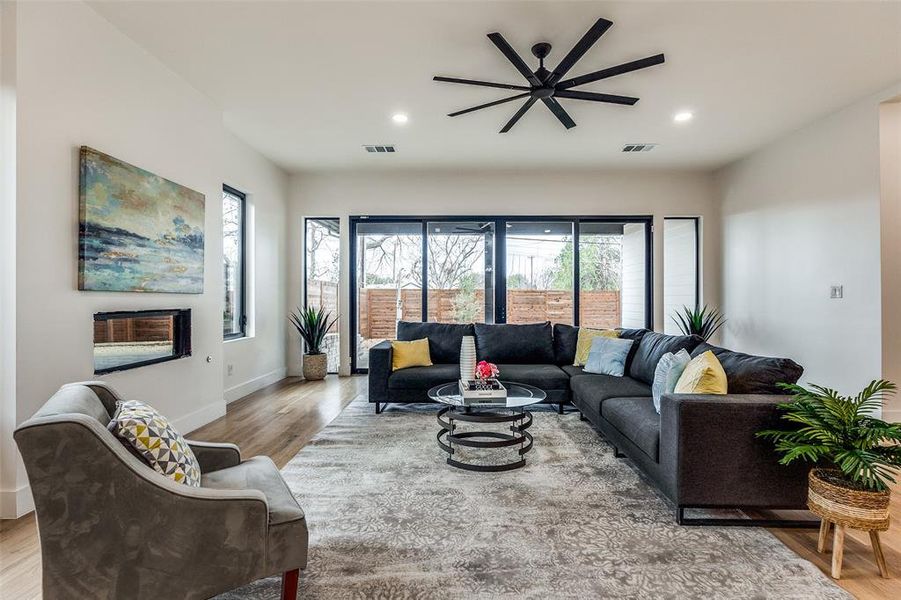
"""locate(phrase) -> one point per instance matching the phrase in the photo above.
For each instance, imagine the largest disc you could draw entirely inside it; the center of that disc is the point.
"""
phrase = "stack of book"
(475, 391)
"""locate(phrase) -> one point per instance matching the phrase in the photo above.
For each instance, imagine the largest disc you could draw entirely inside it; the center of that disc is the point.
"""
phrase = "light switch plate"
(836, 292)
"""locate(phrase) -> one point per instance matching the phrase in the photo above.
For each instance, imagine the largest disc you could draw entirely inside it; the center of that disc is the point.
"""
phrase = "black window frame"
(303, 284)
(500, 260)
(242, 291)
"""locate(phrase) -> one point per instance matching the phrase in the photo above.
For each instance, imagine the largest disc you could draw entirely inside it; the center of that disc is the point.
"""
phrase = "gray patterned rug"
(389, 519)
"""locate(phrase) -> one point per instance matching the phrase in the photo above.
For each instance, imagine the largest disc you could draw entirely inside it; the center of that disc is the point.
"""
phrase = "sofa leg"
(560, 409)
(581, 416)
(617, 453)
(378, 409)
(289, 584)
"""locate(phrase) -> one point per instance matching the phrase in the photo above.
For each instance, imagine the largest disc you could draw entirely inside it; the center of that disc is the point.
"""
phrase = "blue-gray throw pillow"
(608, 356)
(669, 369)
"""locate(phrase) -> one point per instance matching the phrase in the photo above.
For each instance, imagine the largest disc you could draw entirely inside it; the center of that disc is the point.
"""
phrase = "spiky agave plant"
(699, 321)
(841, 431)
(312, 324)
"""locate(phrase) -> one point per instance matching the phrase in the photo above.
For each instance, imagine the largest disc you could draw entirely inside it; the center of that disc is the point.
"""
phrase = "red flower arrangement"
(486, 370)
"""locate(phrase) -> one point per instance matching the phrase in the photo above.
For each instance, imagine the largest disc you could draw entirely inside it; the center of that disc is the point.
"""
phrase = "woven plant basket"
(857, 509)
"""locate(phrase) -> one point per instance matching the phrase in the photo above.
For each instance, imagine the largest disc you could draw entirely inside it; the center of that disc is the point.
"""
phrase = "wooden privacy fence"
(380, 309)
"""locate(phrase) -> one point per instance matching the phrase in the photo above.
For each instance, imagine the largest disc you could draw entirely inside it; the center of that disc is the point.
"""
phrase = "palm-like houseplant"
(704, 321)
(856, 455)
(313, 324)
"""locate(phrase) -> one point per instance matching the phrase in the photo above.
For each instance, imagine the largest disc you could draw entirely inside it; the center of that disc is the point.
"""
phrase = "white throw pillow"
(608, 356)
(667, 374)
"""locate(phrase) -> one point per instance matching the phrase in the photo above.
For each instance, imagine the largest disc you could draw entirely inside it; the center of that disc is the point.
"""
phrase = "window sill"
(237, 339)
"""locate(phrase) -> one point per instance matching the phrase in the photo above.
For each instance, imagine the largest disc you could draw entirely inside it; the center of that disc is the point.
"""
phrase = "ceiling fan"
(546, 85)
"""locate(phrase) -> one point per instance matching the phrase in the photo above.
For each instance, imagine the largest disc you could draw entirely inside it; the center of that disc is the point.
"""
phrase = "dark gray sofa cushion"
(590, 390)
(749, 374)
(652, 347)
(423, 378)
(545, 377)
(573, 370)
(515, 344)
(444, 338)
(631, 334)
(637, 420)
(565, 338)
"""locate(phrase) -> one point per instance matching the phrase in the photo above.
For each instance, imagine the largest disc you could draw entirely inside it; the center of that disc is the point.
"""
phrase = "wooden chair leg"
(289, 584)
(824, 535)
(877, 550)
(838, 550)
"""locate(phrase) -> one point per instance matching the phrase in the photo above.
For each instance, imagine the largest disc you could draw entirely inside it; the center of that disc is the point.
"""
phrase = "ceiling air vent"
(379, 148)
(639, 147)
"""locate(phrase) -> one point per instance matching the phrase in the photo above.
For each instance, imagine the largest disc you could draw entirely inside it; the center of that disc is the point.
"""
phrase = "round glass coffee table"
(509, 412)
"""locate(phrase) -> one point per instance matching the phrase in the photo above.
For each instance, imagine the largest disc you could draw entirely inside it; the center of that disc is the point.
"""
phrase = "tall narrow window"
(234, 319)
(681, 283)
(322, 265)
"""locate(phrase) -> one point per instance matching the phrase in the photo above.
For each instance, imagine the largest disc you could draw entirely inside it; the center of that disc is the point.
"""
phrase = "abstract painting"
(138, 232)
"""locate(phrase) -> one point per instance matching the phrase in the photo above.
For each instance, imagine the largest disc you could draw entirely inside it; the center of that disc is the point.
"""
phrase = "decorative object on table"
(666, 376)
(843, 431)
(584, 340)
(476, 391)
(468, 357)
(313, 324)
(608, 356)
(138, 232)
(486, 370)
(703, 375)
(703, 322)
(413, 353)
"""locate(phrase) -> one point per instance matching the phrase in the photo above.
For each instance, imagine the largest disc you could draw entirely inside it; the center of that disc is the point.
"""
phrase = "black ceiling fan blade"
(559, 112)
(487, 105)
(588, 40)
(595, 97)
(522, 110)
(514, 58)
(628, 67)
(503, 86)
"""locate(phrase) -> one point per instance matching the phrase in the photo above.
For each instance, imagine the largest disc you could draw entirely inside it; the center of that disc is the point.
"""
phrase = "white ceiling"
(308, 83)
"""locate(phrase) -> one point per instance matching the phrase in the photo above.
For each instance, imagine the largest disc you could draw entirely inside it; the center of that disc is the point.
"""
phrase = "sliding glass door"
(591, 271)
(461, 271)
(388, 278)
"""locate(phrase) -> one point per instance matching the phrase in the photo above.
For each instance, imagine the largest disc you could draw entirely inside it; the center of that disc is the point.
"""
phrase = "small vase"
(467, 357)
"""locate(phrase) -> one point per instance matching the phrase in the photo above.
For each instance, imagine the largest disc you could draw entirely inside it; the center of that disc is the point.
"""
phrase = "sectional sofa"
(700, 450)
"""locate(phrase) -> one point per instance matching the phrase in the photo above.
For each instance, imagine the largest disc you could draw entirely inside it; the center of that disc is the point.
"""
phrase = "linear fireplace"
(127, 340)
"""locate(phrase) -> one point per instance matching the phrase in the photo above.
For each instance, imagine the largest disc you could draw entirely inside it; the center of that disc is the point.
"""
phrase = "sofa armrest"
(380, 357)
(213, 456)
(709, 442)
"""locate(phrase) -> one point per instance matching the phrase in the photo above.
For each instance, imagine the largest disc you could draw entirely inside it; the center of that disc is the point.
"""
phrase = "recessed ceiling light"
(547, 230)
(399, 118)
(683, 116)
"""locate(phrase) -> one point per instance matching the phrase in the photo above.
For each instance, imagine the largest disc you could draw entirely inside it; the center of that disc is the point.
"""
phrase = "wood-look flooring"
(280, 419)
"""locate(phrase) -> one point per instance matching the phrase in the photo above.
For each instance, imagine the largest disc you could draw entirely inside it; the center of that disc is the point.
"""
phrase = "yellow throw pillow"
(703, 375)
(410, 354)
(583, 343)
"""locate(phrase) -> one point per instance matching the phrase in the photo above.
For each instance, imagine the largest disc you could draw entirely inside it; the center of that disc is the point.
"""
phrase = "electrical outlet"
(230, 369)
(836, 292)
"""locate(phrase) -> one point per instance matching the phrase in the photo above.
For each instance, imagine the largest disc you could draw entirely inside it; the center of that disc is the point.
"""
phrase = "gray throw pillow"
(667, 374)
(608, 356)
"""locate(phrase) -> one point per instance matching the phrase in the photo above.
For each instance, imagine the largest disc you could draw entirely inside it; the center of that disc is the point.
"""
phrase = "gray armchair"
(112, 527)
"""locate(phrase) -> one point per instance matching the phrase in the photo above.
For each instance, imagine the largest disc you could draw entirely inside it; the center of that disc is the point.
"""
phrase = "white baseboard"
(199, 418)
(16, 503)
(257, 383)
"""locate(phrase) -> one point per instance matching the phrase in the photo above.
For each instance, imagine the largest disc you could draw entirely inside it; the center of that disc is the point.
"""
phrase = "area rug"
(389, 518)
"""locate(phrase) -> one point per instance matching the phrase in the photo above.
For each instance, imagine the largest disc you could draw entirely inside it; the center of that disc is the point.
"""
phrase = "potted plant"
(856, 453)
(699, 321)
(312, 324)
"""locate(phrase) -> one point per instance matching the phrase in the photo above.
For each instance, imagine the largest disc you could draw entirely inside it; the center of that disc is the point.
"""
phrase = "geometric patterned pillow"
(151, 434)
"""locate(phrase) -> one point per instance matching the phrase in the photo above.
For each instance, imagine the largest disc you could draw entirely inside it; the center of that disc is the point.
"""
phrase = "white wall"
(890, 179)
(341, 194)
(81, 82)
(798, 216)
(259, 359)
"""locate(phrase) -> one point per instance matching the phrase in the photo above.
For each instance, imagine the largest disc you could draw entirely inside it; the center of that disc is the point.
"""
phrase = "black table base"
(519, 421)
